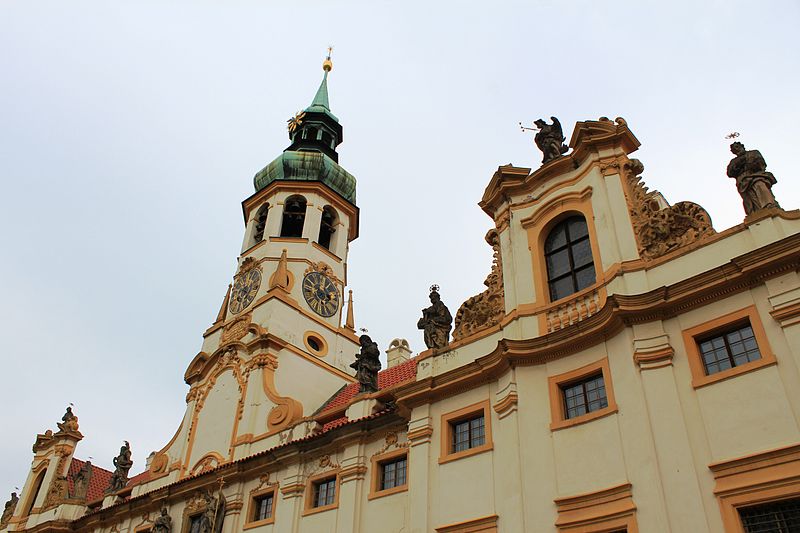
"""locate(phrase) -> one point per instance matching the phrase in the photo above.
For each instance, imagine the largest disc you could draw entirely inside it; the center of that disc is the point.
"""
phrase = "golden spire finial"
(327, 65)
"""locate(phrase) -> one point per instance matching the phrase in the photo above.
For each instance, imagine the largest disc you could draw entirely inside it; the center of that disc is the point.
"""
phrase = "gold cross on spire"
(327, 65)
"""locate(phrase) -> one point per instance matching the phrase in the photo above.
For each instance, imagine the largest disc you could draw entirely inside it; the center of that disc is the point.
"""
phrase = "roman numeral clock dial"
(244, 290)
(321, 294)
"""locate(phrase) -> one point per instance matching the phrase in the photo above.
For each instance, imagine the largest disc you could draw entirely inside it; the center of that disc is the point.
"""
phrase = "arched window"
(311, 134)
(327, 139)
(568, 256)
(294, 214)
(261, 223)
(35, 489)
(327, 227)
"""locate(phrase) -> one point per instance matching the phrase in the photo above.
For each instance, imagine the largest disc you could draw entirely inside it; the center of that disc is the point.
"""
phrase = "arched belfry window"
(568, 256)
(35, 489)
(261, 223)
(294, 214)
(311, 134)
(327, 227)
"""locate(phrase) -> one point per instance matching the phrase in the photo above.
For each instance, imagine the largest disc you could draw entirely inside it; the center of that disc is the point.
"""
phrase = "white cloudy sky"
(130, 132)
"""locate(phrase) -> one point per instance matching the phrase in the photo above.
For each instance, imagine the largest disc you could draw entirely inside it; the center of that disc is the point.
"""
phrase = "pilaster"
(351, 485)
(420, 432)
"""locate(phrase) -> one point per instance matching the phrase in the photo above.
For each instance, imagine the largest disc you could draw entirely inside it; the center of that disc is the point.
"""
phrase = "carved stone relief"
(236, 330)
(487, 308)
(658, 229)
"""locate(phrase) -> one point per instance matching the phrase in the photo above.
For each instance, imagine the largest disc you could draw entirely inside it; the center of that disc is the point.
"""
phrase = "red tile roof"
(139, 478)
(390, 377)
(98, 483)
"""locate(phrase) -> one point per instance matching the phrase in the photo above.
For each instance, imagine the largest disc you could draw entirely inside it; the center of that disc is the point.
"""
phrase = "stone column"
(420, 432)
(679, 488)
(351, 486)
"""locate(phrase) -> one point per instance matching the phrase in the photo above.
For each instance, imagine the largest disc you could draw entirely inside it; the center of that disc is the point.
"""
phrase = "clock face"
(321, 294)
(244, 290)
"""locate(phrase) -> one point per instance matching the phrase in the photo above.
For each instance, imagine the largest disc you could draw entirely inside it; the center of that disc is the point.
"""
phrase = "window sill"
(387, 492)
(265, 522)
(465, 453)
(766, 360)
(594, 415)
(315, 510)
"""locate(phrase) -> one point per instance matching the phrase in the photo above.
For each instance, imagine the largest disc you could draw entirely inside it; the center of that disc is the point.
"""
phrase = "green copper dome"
(308, 166)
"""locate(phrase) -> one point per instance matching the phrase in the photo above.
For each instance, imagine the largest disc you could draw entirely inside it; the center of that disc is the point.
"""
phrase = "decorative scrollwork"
(487, 308)
(660, 229)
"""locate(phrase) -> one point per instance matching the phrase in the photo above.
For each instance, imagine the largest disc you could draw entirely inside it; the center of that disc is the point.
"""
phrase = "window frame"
(567, 247)
(250, 521)
(378, 461)
(448, 422)
(556, 384)
(718, 326)
(309, 495)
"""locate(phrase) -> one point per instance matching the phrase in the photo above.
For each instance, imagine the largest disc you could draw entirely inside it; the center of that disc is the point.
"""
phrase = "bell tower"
(283, 340)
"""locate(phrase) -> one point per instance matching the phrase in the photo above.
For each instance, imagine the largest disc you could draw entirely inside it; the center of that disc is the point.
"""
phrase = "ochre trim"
(323, 349)
(604, 510)
(377, 463)
(486, 524)
(327, 252)
(453, 417)
(720, 324)
(755, 479)
(504, 407)
(648, 360)
(557, 413)
(787, 315)
(301, 240)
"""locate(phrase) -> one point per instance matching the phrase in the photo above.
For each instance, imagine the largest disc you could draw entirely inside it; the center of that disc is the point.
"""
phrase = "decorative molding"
(787, 315)
(603, 510)
(206, 463)
(420, 435)
(507, 405)
(487, 308)
(656, 358)
(235, 330)
(486, 524)
(323, 268)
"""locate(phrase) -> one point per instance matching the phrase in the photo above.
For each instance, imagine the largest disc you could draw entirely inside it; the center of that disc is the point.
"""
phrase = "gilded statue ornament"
(367, 365)
(295, 122)
(487, 308)
(436, 321)
(123, 464)
(660, 228)
(550, 139)
(69, 422)
(753, 181)
(8, 510)
(163, 522)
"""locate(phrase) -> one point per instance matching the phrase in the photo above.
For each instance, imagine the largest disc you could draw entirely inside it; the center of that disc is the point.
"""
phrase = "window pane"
(774, 517)
(585, 277)
(557, 264)
(561, 288)
(581, 253)
(585, 396)
(556, 239)
(729, 349)
(263, 507)
(577, 228)
(394, 474)
(469, 434)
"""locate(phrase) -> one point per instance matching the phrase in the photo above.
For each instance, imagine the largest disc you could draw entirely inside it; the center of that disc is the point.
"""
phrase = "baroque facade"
(628, 368)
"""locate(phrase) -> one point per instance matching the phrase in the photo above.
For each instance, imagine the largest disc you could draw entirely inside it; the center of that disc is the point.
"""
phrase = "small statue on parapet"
(123, 464)
(550, 139)
(80, 483)
(8, 510)
(69, 422)
(367, 365)
(753, 181)
(436, 321)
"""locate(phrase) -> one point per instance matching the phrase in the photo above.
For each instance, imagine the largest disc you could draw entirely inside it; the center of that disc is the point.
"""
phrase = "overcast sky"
(130, 133)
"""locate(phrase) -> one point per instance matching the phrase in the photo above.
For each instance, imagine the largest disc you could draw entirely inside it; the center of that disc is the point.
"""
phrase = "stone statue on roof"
(123, 464)
(550, 139)
(69, 422)
(80, 483)
(367, 365)
(163, 522)
(753, 181)
(8, 510)
(436, 321)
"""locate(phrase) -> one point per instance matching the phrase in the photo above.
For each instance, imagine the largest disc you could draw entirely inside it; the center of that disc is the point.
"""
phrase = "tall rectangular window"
(324, 492)
(393, 473)
(263, 506)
